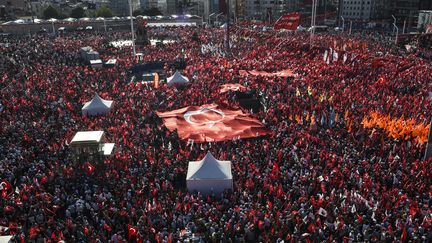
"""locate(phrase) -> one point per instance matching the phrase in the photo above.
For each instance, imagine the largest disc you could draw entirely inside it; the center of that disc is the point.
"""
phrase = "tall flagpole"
(312, 23)
(132, 28)
(227, 40)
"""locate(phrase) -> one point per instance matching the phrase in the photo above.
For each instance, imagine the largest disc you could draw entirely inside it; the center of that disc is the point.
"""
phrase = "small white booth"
(177, 79)
(209, 175)
(96, 63)
(91, 143)
(111, 63)
(97, 106)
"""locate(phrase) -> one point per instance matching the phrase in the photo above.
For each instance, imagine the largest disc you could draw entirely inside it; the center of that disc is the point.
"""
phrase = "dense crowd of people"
(320, 176)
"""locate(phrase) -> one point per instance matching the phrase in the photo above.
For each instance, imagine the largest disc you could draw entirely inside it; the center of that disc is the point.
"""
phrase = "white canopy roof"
(108, 148)
(177, 78)
(97, 61)
(209, 168)
(97, 106)
(87, 136)
(5, 238)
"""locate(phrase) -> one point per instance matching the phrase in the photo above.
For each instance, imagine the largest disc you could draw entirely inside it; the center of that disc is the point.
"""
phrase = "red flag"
(43, 180)
(404, 235)
(89, 168)
(132, 232)
(288, 21)
(5, 187)
(312, 228)
(107, 228)
(34, 231)
(210, 123)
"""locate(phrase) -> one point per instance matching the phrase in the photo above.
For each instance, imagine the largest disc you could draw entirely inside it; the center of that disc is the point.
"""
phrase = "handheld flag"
(288, 21)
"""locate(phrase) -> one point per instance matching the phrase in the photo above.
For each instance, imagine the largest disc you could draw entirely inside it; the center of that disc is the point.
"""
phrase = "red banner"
(209, 123)
(288, 21)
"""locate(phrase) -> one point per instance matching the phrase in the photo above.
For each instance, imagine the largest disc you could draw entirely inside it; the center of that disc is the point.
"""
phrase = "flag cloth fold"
(210, 123)
(233, 87)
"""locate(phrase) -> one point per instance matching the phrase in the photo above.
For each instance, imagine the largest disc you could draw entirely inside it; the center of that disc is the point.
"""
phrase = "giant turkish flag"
(209, 123)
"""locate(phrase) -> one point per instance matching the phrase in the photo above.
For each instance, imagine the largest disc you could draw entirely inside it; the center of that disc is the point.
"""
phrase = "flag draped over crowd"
(210, 123)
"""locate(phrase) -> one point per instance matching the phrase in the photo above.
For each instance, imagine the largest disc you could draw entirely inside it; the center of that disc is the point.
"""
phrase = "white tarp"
(5, 238)
(87, 137)
(97, 106)
(177, 78)
(107, 148)
(209, 174)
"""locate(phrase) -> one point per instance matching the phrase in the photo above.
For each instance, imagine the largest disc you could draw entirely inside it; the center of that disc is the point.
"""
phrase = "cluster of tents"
(206, 176)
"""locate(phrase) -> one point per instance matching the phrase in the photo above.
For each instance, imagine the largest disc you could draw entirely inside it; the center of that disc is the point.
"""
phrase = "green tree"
(50, 12)
(77, 13)
(104, 12)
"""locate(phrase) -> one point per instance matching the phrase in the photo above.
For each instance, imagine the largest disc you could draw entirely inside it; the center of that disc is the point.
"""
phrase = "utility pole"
(343, 23)
(312, 30)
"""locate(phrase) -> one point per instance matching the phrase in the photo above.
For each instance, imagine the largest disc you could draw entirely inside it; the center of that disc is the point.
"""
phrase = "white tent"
(177, 79)
(97, 106)
(5, 238)
(209, 175)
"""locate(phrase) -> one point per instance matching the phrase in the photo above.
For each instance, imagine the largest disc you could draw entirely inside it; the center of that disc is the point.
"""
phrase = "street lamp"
(397, 33)
(343, 23)
(210, 16)
(394, 22)
(314, 7)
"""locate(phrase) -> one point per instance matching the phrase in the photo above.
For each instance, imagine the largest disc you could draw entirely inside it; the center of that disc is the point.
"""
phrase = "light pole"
(132, 28)
(350, 27)
(52, 23)
(217, 17)
(343, 23)
(312, 30)
(210, 16)
(397, 33)
(394, 22)
(403, 30)
(105, 24)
